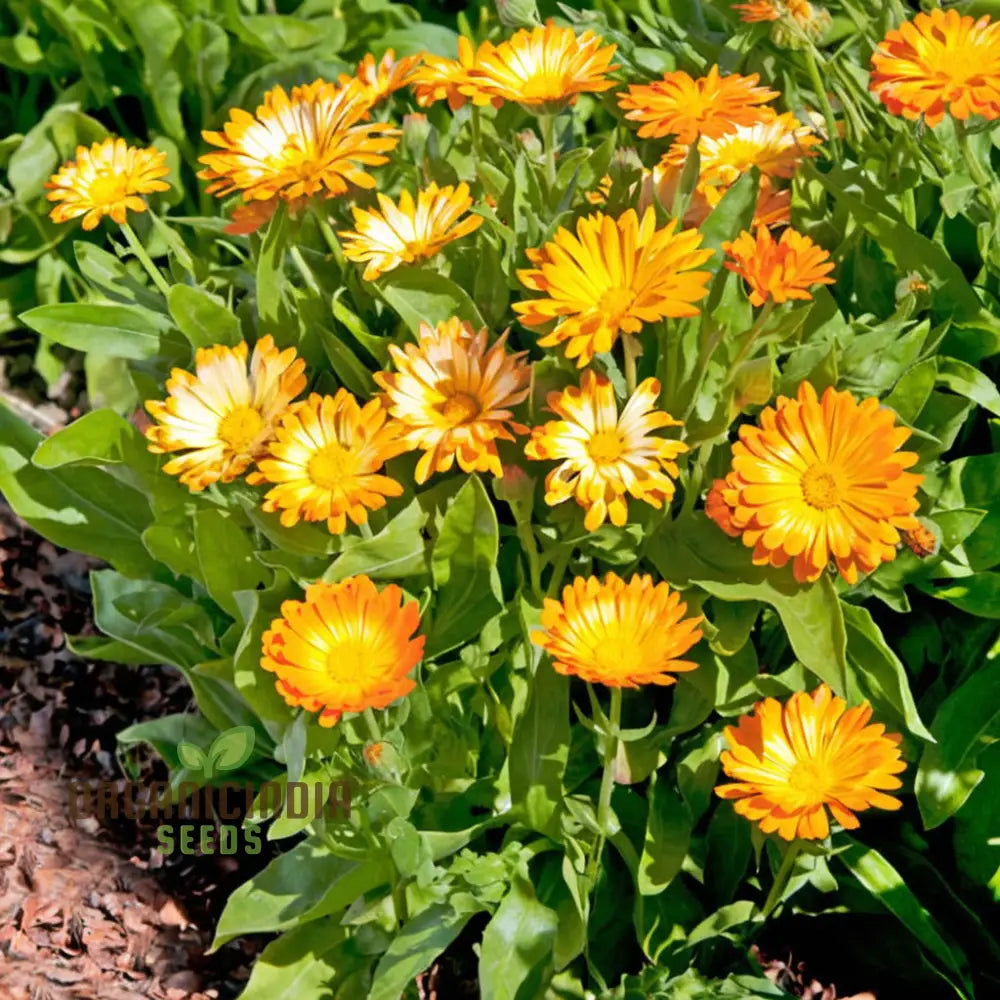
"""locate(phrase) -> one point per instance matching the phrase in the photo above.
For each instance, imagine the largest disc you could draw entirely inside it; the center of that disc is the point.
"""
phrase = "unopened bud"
(754, 382)
(518, 13)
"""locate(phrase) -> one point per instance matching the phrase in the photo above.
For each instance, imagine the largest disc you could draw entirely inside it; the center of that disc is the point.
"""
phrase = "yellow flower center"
(331, 466)
(108, 188)
(349, 660)
(821, 487)
(543, 86)
(462, 408)
(240, 428)
(615, 303)
(812, 780)
(606, 446)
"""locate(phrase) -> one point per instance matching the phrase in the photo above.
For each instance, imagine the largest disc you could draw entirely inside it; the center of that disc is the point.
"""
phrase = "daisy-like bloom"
(382, 78)
(345, 648)
(791, 763)
(106, 179)
(452, 396)
(393, 234)
(326, 457)
(822, 479)
(313, 141)
(799, 11)
(603, 457)
(685, 107)
(938, 63)
(618, 634)
(441, 79)
(223, 416)
(542, 69)
(613, 276)
(778, 270)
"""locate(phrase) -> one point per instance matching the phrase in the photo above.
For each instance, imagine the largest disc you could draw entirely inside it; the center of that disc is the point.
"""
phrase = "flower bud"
(754, 382)
(518, 13)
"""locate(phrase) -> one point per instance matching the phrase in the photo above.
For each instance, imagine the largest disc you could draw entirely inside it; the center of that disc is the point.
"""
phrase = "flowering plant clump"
(580, 435)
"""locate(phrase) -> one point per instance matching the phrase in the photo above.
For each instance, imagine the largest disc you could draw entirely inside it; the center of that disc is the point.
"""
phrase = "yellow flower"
(791, 763)
(822, 479)
(940, 62)
(410, 231)
(612, 277)
(382, 78)
(685, 108)
(542, 68)
(618, 634)
(605, 457)
(325, 459)
(313, 141)
(345, 648)
(440, 79)
(106, 179)
(223, 416)
(778, 270)
(453, 395)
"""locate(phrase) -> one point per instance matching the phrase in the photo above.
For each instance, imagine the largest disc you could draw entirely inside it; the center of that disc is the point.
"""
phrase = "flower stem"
(143, 257)
(824, 102)
(781, 878)
(527, 538)
(607, 781)
(547, 125)
(371, 725)
(558, 572)
(477, 150)
(631, 346)
(755, 331)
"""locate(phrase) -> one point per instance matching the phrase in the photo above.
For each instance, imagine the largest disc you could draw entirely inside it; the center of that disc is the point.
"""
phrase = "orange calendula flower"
(441, 79)
(940, 62)
(345, 648)
(718, 510)
(222, 417)
(799, 11)
(791, 763)
(613, 276)
(452, 396)
(393, 234)
(106, 179)
(326, 458)
(821, 480)
(603, 457)
(618, 634)
(685, 107)
(543, 68)
(313, 141)
(382, 78)
(779, 270)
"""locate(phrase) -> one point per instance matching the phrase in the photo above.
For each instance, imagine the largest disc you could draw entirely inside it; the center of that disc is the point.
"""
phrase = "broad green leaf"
(203, 318)
(517, 944)
(305, 883)
(977, 847)
(111, 275)
(83, 509)
(396, 552)
(729, 852)
(166, 735)
(100, 437)
(978, 594)
(969, 382)
(120, 330)
(463, 565)
(270, 267)
(420, 296)
(694, 551)
(668, 834)
(226, 558)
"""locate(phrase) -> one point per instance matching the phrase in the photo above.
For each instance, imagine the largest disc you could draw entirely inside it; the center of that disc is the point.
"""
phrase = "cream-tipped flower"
(106, 179)
(394, 234)
(382, 78)
(326, 459)
(603, 457)
(453, 396)
(442, 79)
(222, 417)
(310, 142)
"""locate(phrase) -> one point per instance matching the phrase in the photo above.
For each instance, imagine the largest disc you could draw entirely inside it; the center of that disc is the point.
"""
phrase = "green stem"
(147, 262)
(371, 725)
(631, 346)
(547, 126)
(607, 781)
(781, 878)
(755, 331)
(708, 349)
(527, 538)
(304, 269)
(477, 148)
(558, 572)
(824, 102)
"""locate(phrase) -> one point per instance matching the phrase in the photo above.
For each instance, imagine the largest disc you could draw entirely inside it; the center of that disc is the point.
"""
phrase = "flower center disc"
(615, 303)
(811, 779)
(460, 409)
(821, 487)
(605, 446)
(106, 189)
(331, 465)
(240, 428)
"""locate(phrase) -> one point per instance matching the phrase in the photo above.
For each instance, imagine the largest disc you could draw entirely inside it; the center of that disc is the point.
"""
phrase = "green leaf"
(420, 296)
(947, 774)
(166, 735)
(396, 552)
(463, 565)
(203, 318)
(119, 330)
(969, 382)
(270, 267)
(882, 672)
(100, 437)
(305, 883)
(668, 834)
(695, 551)
(978, 594)
(226, 558)
(232, 749)
(83, 509)
(517, 944)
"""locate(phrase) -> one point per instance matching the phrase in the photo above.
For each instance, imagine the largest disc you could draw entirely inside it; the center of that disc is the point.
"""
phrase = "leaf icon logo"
(229, 752)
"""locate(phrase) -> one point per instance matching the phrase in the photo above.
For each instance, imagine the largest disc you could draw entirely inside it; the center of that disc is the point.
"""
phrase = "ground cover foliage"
(378, 457)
